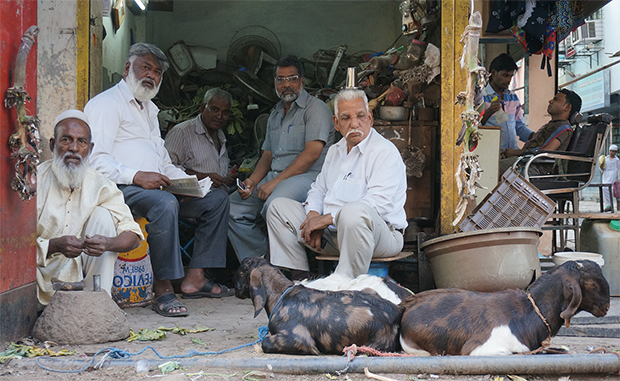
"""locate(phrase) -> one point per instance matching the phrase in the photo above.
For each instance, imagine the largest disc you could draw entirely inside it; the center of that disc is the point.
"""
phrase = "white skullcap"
(613, 147)
(77, 114)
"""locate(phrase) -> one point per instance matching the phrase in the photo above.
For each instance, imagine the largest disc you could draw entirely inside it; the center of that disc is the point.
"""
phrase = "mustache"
(152, 82)
(354, 131)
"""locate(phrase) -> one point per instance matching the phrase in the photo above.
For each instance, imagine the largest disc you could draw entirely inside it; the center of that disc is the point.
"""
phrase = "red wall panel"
(17, 218)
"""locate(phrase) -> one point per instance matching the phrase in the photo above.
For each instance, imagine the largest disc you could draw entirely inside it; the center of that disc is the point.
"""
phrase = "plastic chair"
(186, 233)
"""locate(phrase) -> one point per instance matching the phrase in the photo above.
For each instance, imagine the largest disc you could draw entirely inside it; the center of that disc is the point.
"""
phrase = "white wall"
(303, 27)
(116, 45)
(56, 57)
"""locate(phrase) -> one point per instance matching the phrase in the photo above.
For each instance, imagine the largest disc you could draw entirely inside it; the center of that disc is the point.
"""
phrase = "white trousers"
(361, 234)
(100, 222)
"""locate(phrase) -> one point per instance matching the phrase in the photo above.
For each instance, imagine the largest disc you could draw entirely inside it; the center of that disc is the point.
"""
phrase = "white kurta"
(610, 174)
(61, 212)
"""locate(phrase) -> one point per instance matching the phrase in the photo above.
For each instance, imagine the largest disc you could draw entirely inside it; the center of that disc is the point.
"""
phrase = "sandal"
(205, 291)
(169, 301)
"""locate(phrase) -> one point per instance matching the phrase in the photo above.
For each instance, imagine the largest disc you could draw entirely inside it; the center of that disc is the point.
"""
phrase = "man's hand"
(69, 245)
(231, 176)
(493, 108)
(265, 190)
(151, 180)
(95, 245)
(249, 183)
(312, 228)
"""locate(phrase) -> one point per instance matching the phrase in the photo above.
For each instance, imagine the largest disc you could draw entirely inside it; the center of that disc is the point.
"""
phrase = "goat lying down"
(307, 321)
(458, 322)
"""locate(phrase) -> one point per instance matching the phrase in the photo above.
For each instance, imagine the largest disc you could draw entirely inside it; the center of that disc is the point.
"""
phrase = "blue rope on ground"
(118, 353)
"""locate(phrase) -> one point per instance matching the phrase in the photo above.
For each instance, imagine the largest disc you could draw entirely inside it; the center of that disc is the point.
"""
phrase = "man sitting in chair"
(553, 136)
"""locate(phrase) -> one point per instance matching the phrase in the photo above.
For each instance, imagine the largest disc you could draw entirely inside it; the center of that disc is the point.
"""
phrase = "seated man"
(132, 154)
(82, 219)
(555, 135)
(198, 146)
(299, 132)
(354, 209)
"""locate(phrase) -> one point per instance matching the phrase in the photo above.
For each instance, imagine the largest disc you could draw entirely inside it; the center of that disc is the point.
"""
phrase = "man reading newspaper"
(130, 151)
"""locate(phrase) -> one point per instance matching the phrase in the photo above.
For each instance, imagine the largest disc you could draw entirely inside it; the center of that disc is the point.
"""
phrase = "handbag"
(616, 189)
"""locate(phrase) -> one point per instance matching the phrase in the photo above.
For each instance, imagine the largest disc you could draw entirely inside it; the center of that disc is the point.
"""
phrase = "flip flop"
(205, 291)
(169, 301)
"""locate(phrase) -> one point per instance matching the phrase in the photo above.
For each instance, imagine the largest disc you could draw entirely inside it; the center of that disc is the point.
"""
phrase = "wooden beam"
(82, 56)
(454, 19)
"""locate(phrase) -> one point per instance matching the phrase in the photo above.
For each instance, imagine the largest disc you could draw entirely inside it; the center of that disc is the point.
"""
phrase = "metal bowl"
(393, 113)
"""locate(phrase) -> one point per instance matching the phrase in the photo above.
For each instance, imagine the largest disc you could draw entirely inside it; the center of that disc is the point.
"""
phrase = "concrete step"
(591, 330)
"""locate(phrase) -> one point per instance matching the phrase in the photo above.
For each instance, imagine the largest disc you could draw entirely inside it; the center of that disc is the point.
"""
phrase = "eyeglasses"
(290, 79)
(216, 111)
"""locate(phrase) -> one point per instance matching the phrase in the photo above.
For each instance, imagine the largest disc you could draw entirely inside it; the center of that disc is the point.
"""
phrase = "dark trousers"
(162, 210)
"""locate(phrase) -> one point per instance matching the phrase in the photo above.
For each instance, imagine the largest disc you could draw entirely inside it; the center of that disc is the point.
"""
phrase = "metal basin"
(485, 260)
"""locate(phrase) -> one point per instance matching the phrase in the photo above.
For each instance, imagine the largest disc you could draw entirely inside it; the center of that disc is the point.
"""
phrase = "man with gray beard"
(74, 200)
(354, 209)
(131, 153)
(299, 132)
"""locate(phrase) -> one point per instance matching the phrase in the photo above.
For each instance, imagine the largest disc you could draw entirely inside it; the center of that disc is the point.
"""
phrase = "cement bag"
(132, 285)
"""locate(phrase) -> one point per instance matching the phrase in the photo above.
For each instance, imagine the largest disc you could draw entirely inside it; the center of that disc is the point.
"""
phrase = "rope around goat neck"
(547, 341)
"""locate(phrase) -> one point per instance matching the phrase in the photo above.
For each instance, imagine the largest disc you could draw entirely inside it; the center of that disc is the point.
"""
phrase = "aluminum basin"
(485, 260)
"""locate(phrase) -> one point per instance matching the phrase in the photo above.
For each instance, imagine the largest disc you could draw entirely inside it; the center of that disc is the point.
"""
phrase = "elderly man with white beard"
(131, 153)
(74, 200)
(355, 208)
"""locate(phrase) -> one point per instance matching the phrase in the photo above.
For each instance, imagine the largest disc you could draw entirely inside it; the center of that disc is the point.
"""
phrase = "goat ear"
(257, 292)
(572, 293)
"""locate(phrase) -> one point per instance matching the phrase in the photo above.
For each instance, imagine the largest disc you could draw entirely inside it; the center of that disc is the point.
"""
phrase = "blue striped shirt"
(514, 126)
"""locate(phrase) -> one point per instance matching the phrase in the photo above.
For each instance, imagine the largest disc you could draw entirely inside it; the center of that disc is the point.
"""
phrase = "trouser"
(247, 217)
(162, 210)
(100, 222)
(361, 234)
(608, 178)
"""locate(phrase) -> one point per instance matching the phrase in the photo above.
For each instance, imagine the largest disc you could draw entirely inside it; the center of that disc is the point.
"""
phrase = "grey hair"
(217, 92)
(350, 95)
(142, 48)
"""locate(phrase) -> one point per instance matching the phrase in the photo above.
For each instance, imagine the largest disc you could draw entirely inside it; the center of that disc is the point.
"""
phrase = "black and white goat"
(307, 321)
(458, 322)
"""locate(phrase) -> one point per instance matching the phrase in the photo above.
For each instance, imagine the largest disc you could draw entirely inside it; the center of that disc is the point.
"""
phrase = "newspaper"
(190, 186)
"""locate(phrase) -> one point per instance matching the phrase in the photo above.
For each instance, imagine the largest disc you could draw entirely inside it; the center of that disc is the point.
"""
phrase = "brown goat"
(307, 321)
(458, 322)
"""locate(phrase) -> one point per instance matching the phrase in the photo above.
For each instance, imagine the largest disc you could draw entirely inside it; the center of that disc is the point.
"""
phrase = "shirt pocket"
(293, 138)
(350, 190)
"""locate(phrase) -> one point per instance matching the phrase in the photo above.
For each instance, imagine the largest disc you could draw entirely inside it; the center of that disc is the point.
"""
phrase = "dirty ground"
(233, 326)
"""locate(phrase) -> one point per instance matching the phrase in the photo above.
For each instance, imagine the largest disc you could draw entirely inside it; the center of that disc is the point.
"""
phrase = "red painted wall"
(17, 218)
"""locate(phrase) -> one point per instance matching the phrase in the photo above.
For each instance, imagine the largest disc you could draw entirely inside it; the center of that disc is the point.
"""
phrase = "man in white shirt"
(354, 209)
(611, 170)
(82, 219)
(198, 145)
(130, 152)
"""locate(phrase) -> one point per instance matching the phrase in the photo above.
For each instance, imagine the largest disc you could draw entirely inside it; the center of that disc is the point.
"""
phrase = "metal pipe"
(525, 364)
(587, 74)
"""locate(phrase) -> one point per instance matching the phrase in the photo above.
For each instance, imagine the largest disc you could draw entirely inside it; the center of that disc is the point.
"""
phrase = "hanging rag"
(502, 14)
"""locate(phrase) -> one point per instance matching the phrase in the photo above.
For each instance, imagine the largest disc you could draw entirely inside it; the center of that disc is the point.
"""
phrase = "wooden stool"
(378, 266)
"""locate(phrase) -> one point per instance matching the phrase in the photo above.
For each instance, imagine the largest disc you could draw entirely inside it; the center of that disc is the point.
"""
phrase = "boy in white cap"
(82, 219)
(610, 167)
